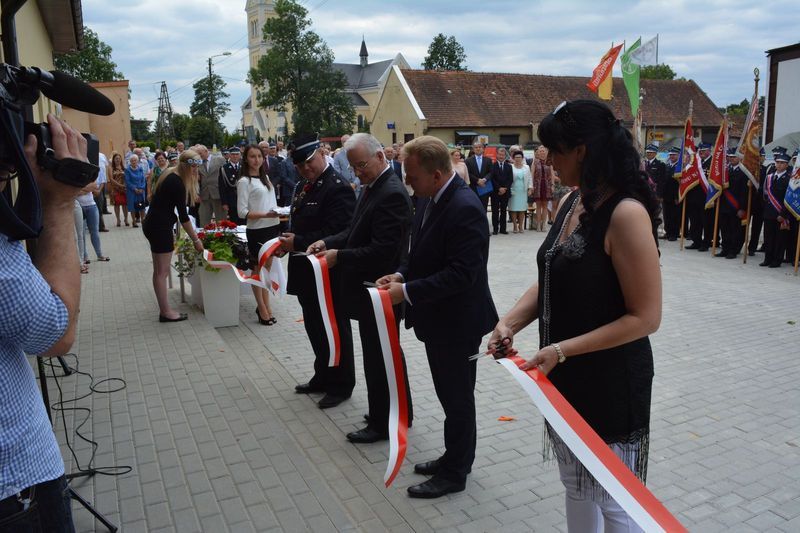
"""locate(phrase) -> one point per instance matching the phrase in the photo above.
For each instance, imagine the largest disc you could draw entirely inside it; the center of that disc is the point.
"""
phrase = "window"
(509, 139)
(408, 137)
(360, 121)
(254, 28)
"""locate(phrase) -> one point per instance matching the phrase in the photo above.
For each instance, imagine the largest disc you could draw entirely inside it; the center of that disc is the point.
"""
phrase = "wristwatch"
(561, 356)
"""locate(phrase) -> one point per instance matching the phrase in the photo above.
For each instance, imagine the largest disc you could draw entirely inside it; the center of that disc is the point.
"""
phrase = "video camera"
(20, 87)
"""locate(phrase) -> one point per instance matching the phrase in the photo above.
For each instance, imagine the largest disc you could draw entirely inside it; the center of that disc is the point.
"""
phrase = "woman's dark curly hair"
(611, 161)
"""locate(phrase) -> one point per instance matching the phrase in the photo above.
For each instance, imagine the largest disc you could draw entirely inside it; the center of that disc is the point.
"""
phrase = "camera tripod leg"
(64, 366)
(86, 505)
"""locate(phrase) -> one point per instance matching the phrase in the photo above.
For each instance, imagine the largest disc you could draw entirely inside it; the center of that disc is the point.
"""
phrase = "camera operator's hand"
(67, 143)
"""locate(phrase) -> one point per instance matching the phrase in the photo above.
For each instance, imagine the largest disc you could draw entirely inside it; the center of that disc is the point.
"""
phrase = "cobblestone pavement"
(218, 441)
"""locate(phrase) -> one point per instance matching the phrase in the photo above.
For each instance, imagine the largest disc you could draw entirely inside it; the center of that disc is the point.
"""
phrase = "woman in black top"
(597, 299)
(173, 190)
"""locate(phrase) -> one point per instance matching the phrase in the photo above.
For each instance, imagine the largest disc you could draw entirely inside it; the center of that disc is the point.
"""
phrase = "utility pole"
(211, 102)
(164, 129)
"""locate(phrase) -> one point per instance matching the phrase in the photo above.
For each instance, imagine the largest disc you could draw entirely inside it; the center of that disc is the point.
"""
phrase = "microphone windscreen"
(76, 94)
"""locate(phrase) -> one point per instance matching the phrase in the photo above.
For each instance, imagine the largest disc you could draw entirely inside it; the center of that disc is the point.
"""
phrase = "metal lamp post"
(211, 102)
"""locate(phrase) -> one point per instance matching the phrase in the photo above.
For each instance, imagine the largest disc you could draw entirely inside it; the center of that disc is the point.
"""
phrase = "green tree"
(445, 53)
(93, 63)
(657, 72)
(180, 125)
(298, 72)
(210, 97)
(201, 131)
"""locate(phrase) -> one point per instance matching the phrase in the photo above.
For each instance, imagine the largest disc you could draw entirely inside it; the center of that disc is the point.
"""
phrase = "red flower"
(201, 235)
(228, 224)
(307, 187)
(218, 234)
(209, 226)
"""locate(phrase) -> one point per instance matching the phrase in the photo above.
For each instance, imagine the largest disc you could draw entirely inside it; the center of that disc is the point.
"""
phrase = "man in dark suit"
(656, 172)
(322, 205)
(479, 168)
(733, 208)
(228, 176)
(671, 207)
(502, 179)
(375, 242)
(445, 283)
(394, 164)
(776, 215)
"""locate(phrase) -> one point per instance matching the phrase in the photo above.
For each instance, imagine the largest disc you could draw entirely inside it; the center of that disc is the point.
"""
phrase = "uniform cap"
(782, 156)
(303, 147)
(651, 148)
(674, 150)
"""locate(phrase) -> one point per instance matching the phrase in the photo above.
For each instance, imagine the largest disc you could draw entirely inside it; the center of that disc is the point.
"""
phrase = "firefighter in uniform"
(776, 215)
(671, 209)
(322, 205)
(657, 172)
(732, 206)
(228, 176)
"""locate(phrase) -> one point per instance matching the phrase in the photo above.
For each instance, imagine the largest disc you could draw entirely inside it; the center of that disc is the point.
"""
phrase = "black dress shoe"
(730, 256)
(775, 265)
(305, 388)
(672, 239)
(435, 487)
(693, 246)
(702, 249)
(181, 317)
(366, 436)
(427, 469)
(504, 233)
(330, 400)
(720, 254)
(751, 254)
(763, 264)
(494, 232)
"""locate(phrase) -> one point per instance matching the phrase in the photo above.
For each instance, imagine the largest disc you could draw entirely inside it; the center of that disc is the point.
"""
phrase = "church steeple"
(364, 55)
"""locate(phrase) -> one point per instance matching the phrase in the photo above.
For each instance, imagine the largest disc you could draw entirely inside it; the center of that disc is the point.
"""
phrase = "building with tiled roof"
(458, 106)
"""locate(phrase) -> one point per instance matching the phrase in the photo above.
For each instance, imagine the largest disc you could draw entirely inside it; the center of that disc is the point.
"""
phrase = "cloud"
(717, 43)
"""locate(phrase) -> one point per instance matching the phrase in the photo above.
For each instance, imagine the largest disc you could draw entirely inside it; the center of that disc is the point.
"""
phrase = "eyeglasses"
(361, 166)
(564, 111)
(194, 162)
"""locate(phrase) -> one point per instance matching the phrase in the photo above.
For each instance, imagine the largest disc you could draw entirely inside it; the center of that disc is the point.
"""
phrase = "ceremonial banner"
(717, 177)
(646, 54)
(750, 143)
(594, 454)
(396, 379)
(322, 281)
(792, 198)
(689, 162)
(630, 75)
(272, 278)
(603, 70)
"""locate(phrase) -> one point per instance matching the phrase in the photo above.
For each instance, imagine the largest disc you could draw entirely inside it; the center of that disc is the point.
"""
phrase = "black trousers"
(375, 373)
(672, 219)
(49, 510)
(499, 212)
(791, 240)
(694, 219)
(485, 201)
(708, 227)
(340, 380)
(756, 223)
(774, 242)
(730, 226)
(454, 380)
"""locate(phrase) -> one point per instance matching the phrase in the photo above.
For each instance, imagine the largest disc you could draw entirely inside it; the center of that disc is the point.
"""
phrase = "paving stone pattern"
(218, 440)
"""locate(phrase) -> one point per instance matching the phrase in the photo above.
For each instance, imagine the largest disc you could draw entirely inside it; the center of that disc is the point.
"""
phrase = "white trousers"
(593, 511)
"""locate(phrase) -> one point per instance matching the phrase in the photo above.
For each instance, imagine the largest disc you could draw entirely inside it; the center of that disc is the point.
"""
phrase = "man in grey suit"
(210, 202)
(342, 166)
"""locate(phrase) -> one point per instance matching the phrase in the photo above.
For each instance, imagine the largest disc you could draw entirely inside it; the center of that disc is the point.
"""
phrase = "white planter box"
(196, 289)
(221, 292)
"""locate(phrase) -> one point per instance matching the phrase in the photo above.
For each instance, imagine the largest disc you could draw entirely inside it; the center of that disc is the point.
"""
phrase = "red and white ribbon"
(271, 278)
(395, 377)
(322, 280)
(594, 454)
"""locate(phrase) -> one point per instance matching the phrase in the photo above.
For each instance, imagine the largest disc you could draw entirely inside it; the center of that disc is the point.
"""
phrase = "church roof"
(359, 77)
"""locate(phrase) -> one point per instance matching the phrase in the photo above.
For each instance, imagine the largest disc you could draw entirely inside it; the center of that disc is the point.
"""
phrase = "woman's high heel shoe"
(263, 321)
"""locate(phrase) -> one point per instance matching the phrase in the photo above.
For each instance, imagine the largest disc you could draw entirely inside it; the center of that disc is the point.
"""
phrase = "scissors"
(500, 351)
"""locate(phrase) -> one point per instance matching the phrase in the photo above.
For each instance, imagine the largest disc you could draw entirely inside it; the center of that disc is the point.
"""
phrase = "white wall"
(787, 104)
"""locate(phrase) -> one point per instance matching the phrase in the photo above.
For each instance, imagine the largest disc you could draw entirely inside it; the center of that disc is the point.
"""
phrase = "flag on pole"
(792, 198)
(750, 143)
(689, 176)
(630, 75)
(603, 69)
(717, 176)
(646, 54)
(604, 90)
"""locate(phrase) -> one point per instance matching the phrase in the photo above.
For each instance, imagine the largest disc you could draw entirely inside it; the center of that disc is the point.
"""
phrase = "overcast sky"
(717, 43)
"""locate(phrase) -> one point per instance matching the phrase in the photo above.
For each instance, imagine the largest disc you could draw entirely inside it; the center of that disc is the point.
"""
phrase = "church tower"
(267, 123)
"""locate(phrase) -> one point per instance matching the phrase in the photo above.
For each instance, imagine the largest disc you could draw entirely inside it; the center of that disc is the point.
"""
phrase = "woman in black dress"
(597, 299)
(173, 190)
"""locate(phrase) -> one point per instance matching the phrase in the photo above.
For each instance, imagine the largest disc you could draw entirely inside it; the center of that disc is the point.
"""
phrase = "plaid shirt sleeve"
(32, 316)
